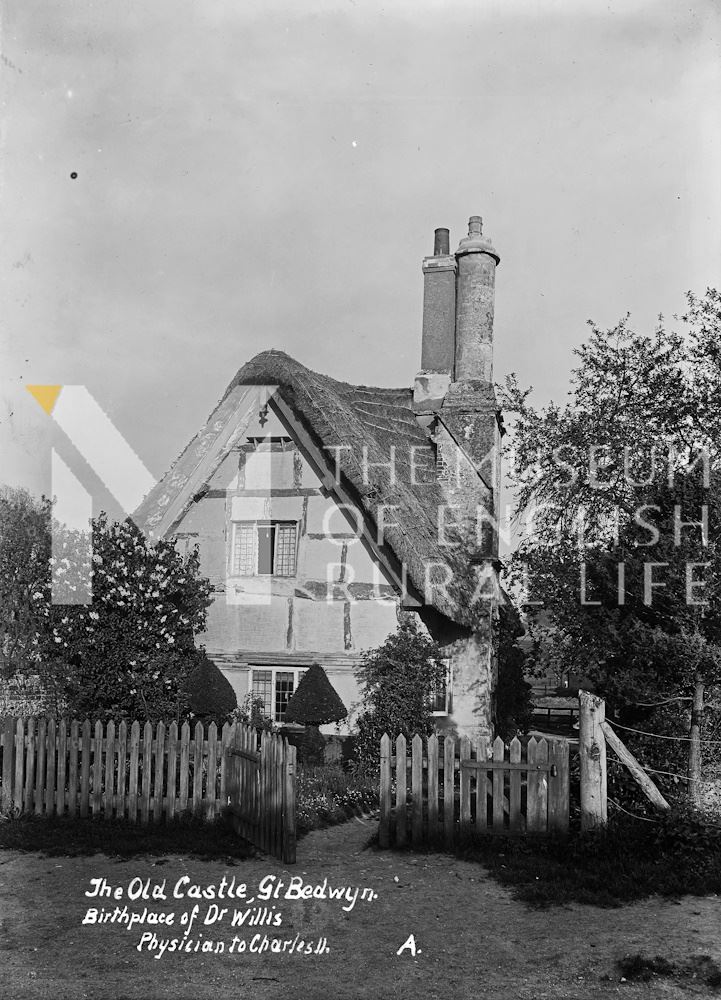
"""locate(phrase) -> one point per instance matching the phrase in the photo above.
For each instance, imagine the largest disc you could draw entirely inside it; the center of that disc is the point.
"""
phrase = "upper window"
(264, 548)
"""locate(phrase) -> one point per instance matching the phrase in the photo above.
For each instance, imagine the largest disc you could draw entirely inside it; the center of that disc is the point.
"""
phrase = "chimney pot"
(441, 243)
(475, 226)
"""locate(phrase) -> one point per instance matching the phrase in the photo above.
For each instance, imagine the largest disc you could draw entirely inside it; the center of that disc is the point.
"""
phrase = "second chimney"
(439, 307)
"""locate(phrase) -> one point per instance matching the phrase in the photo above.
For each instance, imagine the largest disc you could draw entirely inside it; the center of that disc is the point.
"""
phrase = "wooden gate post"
(592, 753)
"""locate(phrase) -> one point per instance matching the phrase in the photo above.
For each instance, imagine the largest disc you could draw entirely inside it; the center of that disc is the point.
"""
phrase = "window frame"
(274, 671)
(274, 525)
(447, 691)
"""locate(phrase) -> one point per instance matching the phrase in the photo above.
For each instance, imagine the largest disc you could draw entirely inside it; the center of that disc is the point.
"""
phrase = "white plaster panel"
(318, 625)
(316, 556)
(361, 567)
(371, 622)
(269, 469)
(286, 508)
(250, 508)
(336, 521)
(261, 627)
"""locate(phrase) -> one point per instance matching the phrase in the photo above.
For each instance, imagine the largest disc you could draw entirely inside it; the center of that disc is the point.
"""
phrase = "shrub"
(397, 680)
(211, 697)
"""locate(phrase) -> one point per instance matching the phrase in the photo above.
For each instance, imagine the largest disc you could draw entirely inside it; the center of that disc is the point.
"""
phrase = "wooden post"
(385, 792)
(449, 794)
(401, 778)
(8, 763)
(592, 753)
(626, 757)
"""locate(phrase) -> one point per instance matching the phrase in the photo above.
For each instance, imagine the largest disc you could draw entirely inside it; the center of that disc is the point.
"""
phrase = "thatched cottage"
(321, 507)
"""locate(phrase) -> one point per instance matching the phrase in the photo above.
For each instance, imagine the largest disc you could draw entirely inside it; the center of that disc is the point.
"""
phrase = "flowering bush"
(127, 653)
(329, 795)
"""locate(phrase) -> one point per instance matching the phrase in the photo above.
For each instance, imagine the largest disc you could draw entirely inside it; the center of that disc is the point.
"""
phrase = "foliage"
(513, 708)
(629, 859)
(397, 680)
(329, 795)
(209, 693)
(315, 701)
(251, 712)
(622, 591)
(24, 571)
(127, 652)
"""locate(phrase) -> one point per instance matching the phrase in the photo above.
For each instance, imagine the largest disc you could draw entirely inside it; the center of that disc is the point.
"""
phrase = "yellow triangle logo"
(46, 395)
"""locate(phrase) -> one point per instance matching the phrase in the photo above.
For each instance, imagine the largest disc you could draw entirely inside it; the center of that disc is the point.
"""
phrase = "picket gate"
(151, 774)
(443, 790)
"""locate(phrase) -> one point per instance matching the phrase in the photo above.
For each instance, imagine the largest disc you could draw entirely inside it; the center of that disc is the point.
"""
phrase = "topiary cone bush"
(211, 697)
(314, 703)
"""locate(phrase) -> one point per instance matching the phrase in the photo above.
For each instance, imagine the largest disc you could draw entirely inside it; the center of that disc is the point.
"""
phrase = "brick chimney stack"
(477, 260)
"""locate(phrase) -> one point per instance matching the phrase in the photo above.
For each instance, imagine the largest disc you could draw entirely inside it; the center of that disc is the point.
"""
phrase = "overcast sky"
(253, 176)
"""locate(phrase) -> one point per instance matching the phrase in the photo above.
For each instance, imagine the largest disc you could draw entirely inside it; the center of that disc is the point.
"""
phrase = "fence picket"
(29, 782)
(401, 795)
(225, 743)
(96, 802)
(416, 789)
(50, 776)
(558, 788)
(172, 768)
(108, 797)
(72, 767)
(85, 769)
(198, 769)
(133, 775)
(184, 765)
(8, 738)
(210, 790)
(40, 762)
(484, 787)
(449, 793)
(514, 790)
(19, 765)
(386, 778)
(158, 776)
(122, 757)
(62, 767)
(534, 823)
(289, 839)
(499, 752)
(432, 786)
(147, 772)
(465, 755)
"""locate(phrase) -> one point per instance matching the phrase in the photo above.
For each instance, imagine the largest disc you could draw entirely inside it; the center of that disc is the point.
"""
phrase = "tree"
(315, 703)
(24, 572)
(608, 487)
(513, 708)
(129, 650)
(397, 682)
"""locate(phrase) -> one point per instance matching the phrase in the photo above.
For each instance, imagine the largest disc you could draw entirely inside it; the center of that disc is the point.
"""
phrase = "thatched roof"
(336, 414)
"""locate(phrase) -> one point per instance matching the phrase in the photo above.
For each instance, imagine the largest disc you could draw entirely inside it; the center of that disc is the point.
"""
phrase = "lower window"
(441, 698)
(275, 686)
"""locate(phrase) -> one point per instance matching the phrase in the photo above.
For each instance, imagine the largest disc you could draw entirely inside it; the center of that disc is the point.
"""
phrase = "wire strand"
(671, 774)
(658, 736)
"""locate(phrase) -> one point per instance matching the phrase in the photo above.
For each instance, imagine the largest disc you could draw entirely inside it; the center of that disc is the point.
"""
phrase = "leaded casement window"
(275, 686)
(264, 548)
(441, 697)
